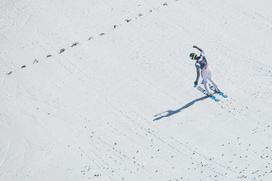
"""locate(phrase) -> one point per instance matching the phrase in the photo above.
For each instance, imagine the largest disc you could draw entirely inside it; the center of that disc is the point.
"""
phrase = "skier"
(202, 66)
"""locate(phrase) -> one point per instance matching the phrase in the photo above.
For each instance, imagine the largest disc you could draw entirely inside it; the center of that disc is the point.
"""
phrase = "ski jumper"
(202, 66)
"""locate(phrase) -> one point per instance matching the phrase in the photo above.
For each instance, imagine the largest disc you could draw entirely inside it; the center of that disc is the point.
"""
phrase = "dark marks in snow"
(61, 50)
(128, 20)
(74, 44)
(35, 61)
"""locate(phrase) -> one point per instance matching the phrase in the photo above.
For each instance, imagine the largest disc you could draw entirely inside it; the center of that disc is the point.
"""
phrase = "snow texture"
(102, 90)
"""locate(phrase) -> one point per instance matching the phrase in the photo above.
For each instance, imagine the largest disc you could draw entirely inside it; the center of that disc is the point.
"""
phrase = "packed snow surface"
(102, 90)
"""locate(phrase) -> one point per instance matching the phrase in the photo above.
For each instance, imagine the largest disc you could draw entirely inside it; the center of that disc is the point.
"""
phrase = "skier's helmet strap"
(193, 56)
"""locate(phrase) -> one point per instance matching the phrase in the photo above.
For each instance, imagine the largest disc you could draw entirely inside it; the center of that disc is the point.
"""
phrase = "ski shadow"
(170, 112)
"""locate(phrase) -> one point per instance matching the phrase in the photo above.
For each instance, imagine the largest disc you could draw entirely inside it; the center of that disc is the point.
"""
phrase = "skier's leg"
(201, 73)
(206, 88)
(209, 78)
(214, 85)
(205, 79)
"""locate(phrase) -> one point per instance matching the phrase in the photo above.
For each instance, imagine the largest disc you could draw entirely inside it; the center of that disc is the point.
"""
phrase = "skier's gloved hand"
(195, 83)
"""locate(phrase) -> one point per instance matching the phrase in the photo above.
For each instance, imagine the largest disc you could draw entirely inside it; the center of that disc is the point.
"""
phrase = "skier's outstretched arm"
(197, 76)
(198, 48)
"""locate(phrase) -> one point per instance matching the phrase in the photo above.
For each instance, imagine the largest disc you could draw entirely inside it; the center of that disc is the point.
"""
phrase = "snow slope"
(102, 90)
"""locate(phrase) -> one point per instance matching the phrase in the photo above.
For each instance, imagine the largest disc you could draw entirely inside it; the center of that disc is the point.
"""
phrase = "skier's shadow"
(170, 112)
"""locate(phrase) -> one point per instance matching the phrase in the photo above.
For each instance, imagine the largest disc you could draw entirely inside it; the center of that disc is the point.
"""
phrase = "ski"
(204, 92)
(219, 93)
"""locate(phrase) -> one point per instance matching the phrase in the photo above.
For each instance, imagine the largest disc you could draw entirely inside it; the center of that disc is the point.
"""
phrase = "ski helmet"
(193, 56)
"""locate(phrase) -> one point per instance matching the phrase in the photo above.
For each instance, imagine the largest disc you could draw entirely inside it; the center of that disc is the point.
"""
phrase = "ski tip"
(223, 95)
(215, 99)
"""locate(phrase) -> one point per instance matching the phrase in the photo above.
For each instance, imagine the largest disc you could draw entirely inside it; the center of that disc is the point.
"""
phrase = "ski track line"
(123, 157)
(173, 99)
(188, 156)
(5, 155)
(85, 152)
(173, 147)
(147, 131)
(242, 173)
(122, 134)
(97, 148)
(25, 21)
(63, 50)
(102, 163)
(208, 159)
(227, 168)
(141, 135)
(99, 165)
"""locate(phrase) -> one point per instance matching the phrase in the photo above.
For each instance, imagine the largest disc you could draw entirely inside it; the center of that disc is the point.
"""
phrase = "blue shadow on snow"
(170, 112)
